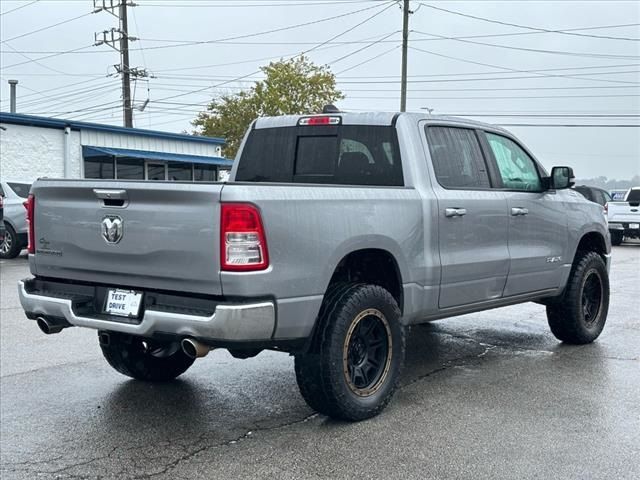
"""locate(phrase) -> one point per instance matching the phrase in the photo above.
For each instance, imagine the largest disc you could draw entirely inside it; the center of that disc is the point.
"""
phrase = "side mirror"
(561, 177)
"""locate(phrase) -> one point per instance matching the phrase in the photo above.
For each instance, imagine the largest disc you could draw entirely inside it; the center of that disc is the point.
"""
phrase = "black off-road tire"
(144, 359)
(579, 316)
(617, 238)
(347, 313)
(11, 245)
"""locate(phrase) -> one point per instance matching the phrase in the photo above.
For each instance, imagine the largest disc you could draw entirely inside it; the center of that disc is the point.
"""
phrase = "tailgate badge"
(112, 228)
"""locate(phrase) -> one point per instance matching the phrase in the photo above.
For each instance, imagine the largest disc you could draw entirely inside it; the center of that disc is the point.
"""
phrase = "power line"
(18, 8)
(73, 50)
(518, 97)
(574, 125)
(538, 73)
(369, 59)
(254, 5)
(180, 43)
(527, 27)
(350, 29)
(534, 50)
(545, 115)
(47, 27)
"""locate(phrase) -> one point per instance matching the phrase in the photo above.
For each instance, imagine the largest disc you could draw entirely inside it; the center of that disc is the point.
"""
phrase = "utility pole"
(126, 74)
(405, 41)
(12, 95)
(118, 39)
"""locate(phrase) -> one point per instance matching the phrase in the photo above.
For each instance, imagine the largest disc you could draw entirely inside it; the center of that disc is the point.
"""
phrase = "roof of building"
(47, 122)
(89, 152)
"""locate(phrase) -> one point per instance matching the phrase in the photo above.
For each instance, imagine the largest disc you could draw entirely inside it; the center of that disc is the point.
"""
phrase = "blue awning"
(89, 152)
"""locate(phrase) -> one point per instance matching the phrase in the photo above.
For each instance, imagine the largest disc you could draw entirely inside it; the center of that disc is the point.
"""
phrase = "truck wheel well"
(374, 266)
(592, 242)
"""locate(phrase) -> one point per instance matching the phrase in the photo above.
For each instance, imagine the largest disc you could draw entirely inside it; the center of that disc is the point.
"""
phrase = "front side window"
(457, 158)
(517, 169)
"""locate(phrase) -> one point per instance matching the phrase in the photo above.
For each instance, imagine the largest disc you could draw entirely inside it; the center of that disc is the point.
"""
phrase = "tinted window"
(457, 158)
(130, 169)
(585, 192)
(204, 173)
(180, 172)
(316, 155)
(20, 189)
(347, 155)
(98, 167)
(634, 196)
(598, 197)
(517, 169)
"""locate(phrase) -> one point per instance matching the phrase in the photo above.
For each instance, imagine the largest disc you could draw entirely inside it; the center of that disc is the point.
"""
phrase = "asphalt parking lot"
(489, 395)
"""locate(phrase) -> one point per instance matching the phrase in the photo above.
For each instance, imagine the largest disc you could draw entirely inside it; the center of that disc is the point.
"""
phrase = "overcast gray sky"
(589, 73)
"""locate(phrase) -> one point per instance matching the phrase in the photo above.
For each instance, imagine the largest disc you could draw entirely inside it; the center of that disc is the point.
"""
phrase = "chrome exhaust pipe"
(48, 327)
(193, 348)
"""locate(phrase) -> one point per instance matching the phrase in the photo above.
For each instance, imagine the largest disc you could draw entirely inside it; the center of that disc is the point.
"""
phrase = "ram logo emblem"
(112, 228)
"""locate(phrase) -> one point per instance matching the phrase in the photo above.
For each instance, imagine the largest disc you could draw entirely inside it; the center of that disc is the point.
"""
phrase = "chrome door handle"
(516, 211)
(455, 212)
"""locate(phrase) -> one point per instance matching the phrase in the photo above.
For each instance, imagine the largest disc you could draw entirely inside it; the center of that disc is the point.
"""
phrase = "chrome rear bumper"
(232, 322)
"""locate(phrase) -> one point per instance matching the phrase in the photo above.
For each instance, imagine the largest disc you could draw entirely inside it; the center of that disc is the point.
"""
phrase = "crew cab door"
(538, 229)
(472, 225)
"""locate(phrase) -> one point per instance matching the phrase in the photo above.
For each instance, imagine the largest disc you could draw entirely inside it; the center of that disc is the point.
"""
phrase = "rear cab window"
(326, 154)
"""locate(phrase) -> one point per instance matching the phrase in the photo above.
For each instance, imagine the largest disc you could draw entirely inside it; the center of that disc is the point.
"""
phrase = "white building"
(32, 147)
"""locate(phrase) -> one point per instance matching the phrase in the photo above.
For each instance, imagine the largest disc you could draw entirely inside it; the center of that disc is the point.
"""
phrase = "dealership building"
(33, 147)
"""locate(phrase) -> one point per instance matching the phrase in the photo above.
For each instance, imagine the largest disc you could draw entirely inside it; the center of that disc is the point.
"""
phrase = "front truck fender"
(593, 237)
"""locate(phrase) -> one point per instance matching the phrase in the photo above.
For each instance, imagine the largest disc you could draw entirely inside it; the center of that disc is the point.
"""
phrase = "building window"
(98, 167)
(180, 172)
(205, 173)
(130, 169)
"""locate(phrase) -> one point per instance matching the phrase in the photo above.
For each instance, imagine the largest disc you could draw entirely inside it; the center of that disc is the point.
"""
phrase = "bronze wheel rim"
(367, 352)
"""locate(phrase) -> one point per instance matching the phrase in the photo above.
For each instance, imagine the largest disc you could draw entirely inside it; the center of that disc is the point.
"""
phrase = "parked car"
(624, 217)
(2, 227)
(594, 194)
(334, 233)
(14, 194)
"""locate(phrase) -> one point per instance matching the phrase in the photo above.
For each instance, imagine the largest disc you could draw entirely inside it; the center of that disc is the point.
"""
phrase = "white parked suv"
(14, 193)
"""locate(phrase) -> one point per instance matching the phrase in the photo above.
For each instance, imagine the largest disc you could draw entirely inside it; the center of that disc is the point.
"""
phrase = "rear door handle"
(455, 212)
(516, 211)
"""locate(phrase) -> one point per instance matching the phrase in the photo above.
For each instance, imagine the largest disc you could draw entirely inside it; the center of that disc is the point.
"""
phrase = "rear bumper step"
(229, 322)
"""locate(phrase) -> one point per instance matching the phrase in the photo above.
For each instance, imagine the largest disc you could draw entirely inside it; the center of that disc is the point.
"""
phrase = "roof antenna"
(330, 109)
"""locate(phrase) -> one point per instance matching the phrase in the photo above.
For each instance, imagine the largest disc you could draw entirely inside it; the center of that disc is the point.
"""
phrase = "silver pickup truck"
(334, 234)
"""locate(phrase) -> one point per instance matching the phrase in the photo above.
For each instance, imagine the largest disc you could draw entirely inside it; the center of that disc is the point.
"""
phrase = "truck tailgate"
(154, 235)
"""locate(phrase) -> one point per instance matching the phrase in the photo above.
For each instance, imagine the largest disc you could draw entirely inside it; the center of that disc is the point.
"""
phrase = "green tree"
(295, 86)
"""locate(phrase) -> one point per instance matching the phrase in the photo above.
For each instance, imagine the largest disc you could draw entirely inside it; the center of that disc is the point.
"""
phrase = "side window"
(517, 169)
(457, 158)
(607, 197)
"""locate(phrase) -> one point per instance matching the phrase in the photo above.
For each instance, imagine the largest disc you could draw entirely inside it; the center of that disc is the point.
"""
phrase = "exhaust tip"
(193, 348)
(48, 327)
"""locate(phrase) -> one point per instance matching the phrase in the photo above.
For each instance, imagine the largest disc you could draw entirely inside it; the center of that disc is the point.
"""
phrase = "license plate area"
(634, 226)
(123, 303)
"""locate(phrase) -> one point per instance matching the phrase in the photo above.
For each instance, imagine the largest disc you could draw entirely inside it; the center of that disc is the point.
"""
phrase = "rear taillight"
(243, 245)
(606, 208)
(30, 205)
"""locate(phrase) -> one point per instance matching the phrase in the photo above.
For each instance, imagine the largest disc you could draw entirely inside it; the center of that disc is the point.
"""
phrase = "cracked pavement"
(488, 395)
